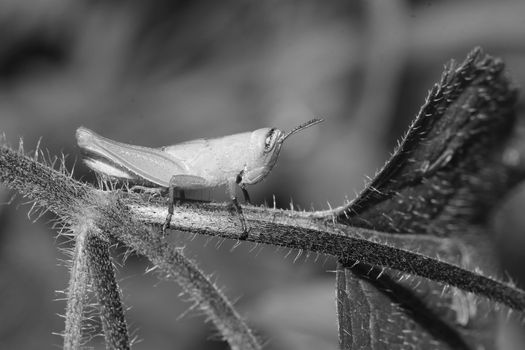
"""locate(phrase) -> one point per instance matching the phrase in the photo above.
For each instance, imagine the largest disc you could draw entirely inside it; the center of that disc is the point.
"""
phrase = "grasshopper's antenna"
(301, 127)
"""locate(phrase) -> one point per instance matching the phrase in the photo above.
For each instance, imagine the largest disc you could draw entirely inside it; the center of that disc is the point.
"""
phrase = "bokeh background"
(160, 72)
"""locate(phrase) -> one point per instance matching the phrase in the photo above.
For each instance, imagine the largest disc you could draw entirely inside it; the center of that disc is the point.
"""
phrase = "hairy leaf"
(448, 171)
(443, 180)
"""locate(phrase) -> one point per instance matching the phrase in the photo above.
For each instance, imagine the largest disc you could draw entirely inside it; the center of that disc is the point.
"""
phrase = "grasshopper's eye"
(269, 142)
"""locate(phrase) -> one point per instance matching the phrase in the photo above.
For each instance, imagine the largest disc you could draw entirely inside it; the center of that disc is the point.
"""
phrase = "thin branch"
(128, 217)
(290, 229)
(77, 291)
(108, 293)
(173, 265)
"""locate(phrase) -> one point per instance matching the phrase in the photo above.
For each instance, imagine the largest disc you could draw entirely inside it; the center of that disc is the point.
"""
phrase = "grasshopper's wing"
(150, 164)
(189, 150)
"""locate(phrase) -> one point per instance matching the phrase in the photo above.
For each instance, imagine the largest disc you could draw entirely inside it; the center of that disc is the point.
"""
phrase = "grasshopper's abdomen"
(120, 160)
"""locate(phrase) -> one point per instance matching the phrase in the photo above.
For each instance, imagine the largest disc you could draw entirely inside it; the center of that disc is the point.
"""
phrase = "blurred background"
(160, 72)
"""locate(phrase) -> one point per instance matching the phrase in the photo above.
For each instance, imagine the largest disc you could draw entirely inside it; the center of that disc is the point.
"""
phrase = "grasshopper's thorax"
(264, 148)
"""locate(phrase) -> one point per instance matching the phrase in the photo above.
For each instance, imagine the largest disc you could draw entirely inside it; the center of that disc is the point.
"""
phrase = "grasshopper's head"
(265, 145)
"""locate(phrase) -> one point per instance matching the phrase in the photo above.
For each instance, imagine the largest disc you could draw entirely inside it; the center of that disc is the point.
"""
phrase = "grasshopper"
(239, 159)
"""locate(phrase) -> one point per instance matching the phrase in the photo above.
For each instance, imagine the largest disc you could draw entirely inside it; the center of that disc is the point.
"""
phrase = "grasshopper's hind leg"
(179, 182)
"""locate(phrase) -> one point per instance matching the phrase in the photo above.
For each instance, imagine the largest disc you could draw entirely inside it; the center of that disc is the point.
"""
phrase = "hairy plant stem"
(108, 293)
(173, 265)
(77, 290)
(414, 254)
(127, 217)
